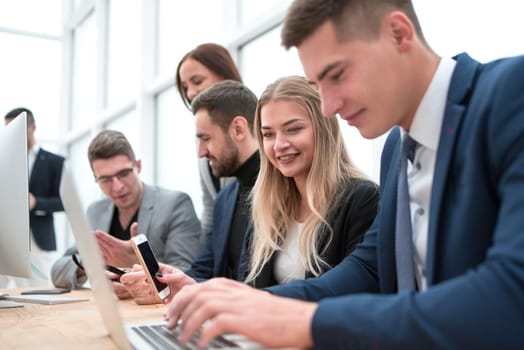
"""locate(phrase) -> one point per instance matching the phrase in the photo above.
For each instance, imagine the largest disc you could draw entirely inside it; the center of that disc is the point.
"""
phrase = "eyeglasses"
(108, 179)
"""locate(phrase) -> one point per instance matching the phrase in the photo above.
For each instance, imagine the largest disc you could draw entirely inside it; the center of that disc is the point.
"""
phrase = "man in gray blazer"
(167, 218)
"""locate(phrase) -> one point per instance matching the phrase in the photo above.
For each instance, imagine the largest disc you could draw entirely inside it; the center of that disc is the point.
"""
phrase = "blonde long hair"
(275, 198)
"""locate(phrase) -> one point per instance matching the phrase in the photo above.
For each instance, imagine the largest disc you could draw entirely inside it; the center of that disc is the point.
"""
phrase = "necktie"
(403, 231)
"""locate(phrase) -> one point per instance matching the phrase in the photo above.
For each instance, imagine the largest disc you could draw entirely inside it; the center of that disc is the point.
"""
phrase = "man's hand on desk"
(141, 291)
(225, 306)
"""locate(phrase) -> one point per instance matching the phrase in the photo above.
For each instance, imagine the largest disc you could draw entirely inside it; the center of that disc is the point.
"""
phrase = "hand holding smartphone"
(149, 263)
(116, 271)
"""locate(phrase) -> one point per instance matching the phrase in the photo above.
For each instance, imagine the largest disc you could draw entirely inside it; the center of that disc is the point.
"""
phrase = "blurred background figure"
(45, 172)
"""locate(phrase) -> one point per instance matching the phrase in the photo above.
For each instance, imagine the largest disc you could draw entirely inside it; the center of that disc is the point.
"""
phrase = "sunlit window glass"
(197, 21)
(84, 74)
(269, 67)
(37, 16)
(123, 51)
(30, 70)
(176, 153)
(252, 10)
(127, 124)
(82, 173)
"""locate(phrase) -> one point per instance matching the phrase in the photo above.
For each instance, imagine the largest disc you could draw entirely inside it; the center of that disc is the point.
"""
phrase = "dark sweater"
(246, 175)
(351, 217)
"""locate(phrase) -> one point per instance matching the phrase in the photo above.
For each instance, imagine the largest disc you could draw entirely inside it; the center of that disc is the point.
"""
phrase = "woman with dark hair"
(202, 67)
(205, 65)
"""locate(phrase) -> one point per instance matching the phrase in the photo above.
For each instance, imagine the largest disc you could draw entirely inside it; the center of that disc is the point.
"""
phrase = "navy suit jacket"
(212, 261)
(475, 256)
(44, 184)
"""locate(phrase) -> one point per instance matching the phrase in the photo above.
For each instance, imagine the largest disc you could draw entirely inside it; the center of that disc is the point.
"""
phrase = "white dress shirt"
(31, 157)
(425, 129)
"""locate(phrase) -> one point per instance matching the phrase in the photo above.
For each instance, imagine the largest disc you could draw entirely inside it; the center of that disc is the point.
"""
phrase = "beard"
(228, 162)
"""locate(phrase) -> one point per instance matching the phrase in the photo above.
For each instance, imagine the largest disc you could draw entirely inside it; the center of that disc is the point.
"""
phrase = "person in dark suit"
(224, 117)
(464, 197)
(45, 172)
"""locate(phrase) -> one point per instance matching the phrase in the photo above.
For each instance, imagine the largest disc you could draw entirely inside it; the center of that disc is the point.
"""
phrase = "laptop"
(137, 336)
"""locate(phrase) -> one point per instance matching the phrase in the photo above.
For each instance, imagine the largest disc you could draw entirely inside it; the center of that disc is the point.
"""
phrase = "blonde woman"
(311, 204)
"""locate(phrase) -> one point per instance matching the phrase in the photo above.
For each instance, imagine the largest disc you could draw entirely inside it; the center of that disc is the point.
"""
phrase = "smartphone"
(45, 291)
(149, 263)
(116, 271)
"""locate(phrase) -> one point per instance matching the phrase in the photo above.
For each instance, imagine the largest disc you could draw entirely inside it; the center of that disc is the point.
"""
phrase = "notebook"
(42, 299)
(138, 336)
(8, 304)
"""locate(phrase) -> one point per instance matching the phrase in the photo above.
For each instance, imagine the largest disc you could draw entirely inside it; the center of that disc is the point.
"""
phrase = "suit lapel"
(106, 215)
(390, 166)
(461, 84)
(40, 157)
(228, 209)
(146, 209)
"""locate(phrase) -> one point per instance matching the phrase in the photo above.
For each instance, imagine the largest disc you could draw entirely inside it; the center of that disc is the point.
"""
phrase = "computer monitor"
(15, 243)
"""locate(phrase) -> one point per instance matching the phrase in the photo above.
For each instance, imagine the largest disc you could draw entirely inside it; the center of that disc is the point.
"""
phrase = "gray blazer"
(209, 193)
(167, 218)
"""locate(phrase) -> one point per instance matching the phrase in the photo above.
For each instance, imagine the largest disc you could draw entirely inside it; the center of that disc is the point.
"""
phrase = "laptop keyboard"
(159, 337)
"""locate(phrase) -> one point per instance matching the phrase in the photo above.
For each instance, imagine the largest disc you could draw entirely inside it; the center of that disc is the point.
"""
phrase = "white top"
(425, 129)
(31, 157)
(287, 264)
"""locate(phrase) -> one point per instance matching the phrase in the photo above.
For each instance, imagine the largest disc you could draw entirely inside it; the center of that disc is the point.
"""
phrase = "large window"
(30, 77)
(263, 61)
(32, 16)
(256, 10)
(123, 51)
(84, 97)
(128, 125)
(176, 155)
(181, 28)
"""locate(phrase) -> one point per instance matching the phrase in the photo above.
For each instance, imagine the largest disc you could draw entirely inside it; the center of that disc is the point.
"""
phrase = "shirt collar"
(427, 122)
(34, 150)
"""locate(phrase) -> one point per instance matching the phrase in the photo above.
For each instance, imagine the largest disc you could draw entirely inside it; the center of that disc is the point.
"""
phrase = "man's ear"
(239, 128)
(138, 166)
(400, 29)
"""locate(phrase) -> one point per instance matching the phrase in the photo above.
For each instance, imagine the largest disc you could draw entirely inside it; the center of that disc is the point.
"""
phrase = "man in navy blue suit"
(45, 171)
(465, 185)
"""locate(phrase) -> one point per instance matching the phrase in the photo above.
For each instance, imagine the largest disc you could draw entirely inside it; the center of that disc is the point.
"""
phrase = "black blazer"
(354, 211)
(44, 184)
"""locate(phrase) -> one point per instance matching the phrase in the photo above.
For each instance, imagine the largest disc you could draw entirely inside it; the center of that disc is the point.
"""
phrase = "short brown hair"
(358, 18)
(226, 100)
(214, 57)
(108, 144)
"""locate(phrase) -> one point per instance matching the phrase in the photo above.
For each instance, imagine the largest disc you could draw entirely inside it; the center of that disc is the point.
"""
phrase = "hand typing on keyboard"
(221, 306)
